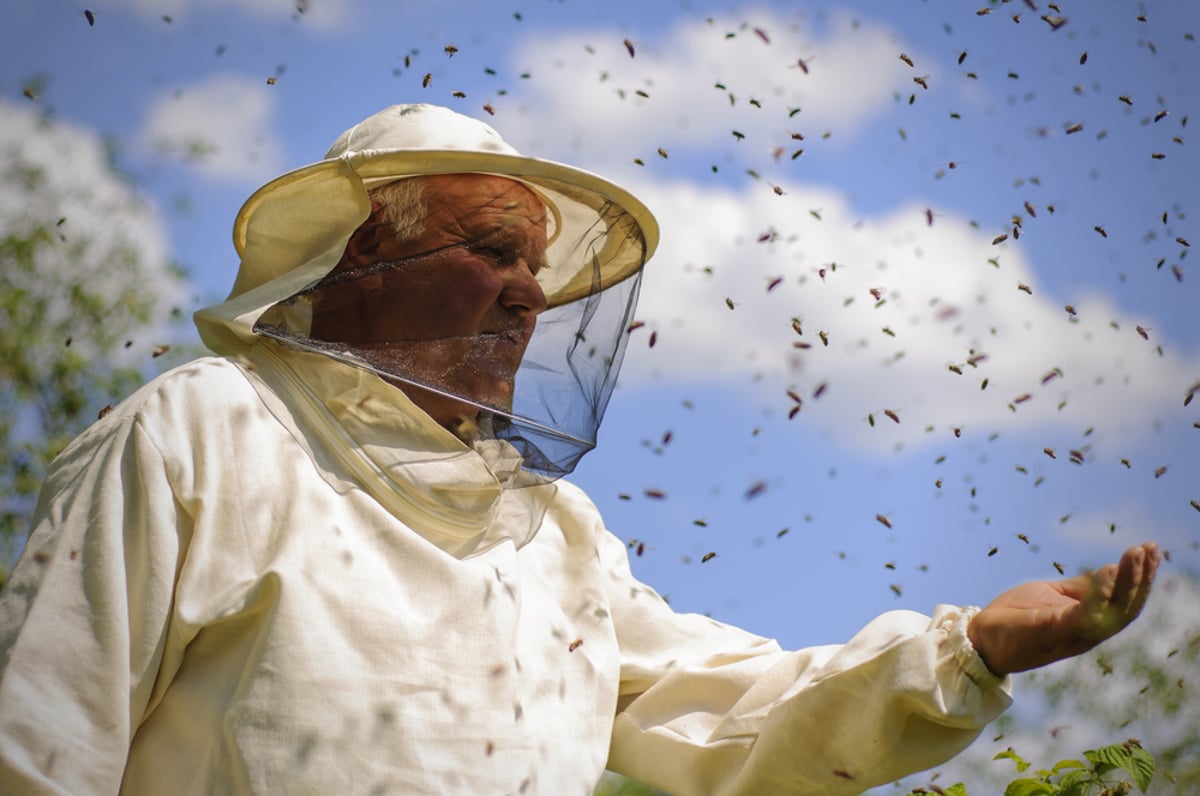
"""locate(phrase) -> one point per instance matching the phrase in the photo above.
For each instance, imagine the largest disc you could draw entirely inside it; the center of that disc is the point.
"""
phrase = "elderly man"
(338, 559)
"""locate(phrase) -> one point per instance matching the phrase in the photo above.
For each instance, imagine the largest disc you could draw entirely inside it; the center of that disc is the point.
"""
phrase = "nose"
(522, 293)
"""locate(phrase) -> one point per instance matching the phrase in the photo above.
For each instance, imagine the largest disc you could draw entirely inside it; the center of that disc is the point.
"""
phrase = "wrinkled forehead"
(465, 194)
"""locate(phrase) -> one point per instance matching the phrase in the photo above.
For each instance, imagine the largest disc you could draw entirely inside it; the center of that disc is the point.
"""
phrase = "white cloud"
(947, 297)
(591, 84)
(221, 126)
(325, 16)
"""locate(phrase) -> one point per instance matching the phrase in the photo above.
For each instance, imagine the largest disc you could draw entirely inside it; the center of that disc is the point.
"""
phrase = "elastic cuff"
(965, 654)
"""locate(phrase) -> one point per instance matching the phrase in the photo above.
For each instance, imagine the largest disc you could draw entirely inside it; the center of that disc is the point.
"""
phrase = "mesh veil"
(541, 410)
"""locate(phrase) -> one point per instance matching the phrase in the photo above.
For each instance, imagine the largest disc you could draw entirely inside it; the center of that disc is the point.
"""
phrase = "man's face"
(458, 307)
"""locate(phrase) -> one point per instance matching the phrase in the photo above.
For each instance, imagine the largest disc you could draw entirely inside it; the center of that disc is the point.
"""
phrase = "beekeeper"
(337, 557)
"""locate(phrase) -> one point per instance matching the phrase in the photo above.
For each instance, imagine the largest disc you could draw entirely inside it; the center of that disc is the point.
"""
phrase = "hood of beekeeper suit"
(293, 232)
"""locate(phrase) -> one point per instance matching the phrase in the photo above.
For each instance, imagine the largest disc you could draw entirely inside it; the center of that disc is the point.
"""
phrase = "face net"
(527, 396)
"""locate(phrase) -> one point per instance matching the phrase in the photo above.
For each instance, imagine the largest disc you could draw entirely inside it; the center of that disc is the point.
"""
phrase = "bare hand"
(1038, 623)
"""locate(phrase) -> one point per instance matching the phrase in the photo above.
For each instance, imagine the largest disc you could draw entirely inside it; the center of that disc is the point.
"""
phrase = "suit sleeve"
(706, 708)
(84, 618)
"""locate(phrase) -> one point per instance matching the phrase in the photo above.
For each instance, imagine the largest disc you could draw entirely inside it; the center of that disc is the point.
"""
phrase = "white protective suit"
(269, 572)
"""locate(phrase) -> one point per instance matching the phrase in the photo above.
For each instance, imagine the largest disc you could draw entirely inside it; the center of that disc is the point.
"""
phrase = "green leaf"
(1129, 757)
(957, 789)
(1077, 783)
(1009, 754)
(1029, 787)
(1141, 767)
(1063, 764)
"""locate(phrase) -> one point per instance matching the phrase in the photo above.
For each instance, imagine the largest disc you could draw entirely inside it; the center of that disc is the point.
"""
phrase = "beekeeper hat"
(600, 234)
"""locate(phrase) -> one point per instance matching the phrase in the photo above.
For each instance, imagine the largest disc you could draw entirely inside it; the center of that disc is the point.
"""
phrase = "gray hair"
(402, 205)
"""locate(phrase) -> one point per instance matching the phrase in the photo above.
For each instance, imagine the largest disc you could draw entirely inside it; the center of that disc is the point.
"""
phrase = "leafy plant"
(1073, 777)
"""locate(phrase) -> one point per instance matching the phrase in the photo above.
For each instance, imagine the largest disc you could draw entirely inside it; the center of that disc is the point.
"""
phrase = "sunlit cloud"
(930, 321)
(220, 127)
(754, 81)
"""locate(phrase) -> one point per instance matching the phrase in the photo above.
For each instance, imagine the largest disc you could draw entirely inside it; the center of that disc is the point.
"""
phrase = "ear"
(364, 243)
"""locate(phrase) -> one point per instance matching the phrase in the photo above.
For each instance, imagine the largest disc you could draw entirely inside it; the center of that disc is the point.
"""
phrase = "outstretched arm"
(1038, 623)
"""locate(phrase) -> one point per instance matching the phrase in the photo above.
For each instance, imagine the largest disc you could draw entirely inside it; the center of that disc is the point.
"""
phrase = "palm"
(1038, 623)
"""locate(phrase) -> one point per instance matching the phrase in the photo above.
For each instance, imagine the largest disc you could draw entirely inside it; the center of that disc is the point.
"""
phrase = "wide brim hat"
(599, 233)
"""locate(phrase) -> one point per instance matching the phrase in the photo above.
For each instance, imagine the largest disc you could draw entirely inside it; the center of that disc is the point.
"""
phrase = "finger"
(1129, 577)
(1149, 570)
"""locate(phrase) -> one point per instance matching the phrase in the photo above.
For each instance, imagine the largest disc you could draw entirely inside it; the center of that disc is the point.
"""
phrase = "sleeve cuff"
(965, 654)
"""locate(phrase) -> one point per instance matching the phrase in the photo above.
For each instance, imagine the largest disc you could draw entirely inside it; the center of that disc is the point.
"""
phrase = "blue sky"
(188, 109)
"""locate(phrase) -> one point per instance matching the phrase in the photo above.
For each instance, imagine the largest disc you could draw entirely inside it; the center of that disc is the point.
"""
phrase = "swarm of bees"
(1030, 293)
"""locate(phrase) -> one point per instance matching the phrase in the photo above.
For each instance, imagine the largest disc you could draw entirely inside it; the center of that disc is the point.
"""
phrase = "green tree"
(86, 300)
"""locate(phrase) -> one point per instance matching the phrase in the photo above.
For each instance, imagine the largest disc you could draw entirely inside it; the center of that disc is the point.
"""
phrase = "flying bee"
(450, 50)
(1074, 128)
(962, 56)
(425, 81)
(91, 18)
(629, 47)
(1049, 452)
(1160, 472)
(1023, 538)
(653, 339)
(459, 94)
(896, 590)
(656, 494)
(1029, 209)
(729, 303)
(1024, 288)
(841, 772)
(884, 521)
(707, 557)
(817, 393)
(1159, 116)
(922, 81)
(1143, 332)
(906, 59)
(1083, 58)
(1101, 231)
(992, 551)
(824, 339)
(1183, 242)
(774, 283)
(491, 111)
(999, 239)
(802, 64)
(955, 369)
(895, 418)
(1061, 569)
(574, 645)
(762, 34)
